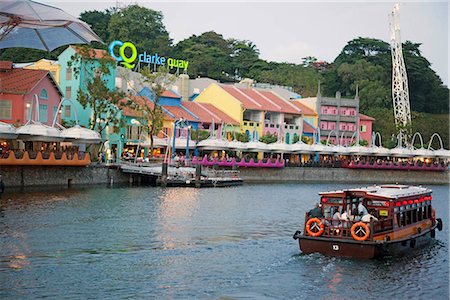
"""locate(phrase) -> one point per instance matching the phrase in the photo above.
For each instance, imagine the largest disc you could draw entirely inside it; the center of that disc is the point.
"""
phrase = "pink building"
(365, 127)
(18, 91)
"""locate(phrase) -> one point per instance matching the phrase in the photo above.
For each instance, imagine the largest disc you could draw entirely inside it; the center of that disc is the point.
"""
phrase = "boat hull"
(364, 250)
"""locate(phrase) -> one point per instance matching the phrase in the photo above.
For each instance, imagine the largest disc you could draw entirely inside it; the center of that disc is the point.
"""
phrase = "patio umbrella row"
(300, 147)
(36, 131)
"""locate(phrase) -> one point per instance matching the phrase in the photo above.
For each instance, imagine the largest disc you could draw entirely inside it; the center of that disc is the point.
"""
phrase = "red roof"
(365, 118)
(170, 94)
(93, 53)
(6, 65)
(20, 81)
(308, 128)
(179, 112)
(260, 100)
(140, 100)
(305, 109)
(208, 112)
(286, 106)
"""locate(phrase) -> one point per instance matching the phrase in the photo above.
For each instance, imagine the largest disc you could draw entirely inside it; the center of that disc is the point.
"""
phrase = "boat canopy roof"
(389, 191)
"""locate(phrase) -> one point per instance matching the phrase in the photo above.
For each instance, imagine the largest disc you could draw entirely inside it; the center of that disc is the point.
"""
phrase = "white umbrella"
(257, 146)
(212, 144)
(36, 131)
(29, 24)
(380, 151)
(280, 147)
(7, 131)
(301, 147)
(402, 152)
(81, 135)
(422, 152)
(442, 153)
(236, 145)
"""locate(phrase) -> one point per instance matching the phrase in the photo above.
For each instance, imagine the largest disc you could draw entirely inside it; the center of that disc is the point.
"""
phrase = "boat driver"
(316, 212)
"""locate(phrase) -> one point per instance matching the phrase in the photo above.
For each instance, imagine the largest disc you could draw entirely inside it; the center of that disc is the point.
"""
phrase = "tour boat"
(402, 218)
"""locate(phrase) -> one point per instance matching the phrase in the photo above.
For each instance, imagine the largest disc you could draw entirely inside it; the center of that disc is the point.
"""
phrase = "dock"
(181, 176)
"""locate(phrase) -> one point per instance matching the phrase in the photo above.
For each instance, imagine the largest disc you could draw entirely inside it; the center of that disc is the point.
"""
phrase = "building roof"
(207, 113)
(305, 109)
(170, 94)
(365, 117)
(22, 81)
(260, 100)
(308, 128)
(140, 100)
(180, 112)
(96, 53)
(394, 191)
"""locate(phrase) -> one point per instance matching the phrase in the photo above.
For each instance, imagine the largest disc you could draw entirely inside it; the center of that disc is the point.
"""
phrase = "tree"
(141, 26)
(99, 21)
(268, 138)
(96, 95)
(244, 54)
(159, 82)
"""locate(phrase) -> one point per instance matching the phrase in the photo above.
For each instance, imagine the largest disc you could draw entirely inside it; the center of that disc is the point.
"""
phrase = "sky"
(288, 31)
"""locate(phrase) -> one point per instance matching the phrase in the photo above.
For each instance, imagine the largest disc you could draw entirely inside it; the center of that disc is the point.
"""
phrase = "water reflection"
(193, 243)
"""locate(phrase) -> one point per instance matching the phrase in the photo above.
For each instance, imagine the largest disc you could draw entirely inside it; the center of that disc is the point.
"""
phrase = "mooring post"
(198, 174)
(164, 174)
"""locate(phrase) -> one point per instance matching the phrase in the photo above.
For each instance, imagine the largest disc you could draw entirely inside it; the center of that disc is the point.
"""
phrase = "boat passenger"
(316, 212)
(369, 216)
(336, 218)
(362, 210)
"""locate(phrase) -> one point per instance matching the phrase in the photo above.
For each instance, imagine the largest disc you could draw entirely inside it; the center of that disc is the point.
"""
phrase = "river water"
(183, 243)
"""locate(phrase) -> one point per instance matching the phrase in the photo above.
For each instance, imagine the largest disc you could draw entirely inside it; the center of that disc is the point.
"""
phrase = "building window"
(69, 74)
(67, 111)
(43, 113)
(363, 128)
(44, 94)
(6, 109)
(68, 92)
(323, 125)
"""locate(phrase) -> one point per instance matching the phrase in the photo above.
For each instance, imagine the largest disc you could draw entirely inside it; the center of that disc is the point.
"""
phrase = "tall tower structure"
(400, 91)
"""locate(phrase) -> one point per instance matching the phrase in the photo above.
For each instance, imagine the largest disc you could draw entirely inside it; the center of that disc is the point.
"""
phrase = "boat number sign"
(128, 60)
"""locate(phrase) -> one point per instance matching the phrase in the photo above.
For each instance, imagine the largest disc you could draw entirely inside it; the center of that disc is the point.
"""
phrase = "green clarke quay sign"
(129, 61)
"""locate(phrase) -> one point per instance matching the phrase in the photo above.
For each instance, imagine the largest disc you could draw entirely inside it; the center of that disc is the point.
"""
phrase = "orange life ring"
(358, 229)
(314, 224)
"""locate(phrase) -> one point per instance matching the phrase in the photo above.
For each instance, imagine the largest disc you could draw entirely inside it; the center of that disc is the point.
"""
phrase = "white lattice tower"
(400, 92)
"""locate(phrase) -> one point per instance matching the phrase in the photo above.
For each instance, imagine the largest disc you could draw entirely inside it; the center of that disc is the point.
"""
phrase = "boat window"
(327, 200)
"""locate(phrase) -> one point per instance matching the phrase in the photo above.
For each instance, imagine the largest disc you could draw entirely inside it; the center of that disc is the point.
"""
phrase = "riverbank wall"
(343, 175)
(24, 176)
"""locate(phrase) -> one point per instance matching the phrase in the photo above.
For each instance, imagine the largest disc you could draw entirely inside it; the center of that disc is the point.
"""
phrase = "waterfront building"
(19, 89)
(338, 118)
(71, 83)
(365, 127)
(257, 111)
(44, 64)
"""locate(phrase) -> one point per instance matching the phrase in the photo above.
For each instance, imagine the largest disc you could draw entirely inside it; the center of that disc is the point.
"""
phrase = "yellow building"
(49, 65)
(258, 111)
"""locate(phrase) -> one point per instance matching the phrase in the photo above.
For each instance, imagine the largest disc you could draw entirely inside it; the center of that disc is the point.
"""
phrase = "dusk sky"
(288, 31)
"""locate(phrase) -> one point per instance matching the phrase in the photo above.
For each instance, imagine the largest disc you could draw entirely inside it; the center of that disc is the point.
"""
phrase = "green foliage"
(296, 138)
(268, 138)
(142, 26)
(95, 94)
(99, 21)
(242, 137)
(199, 135)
